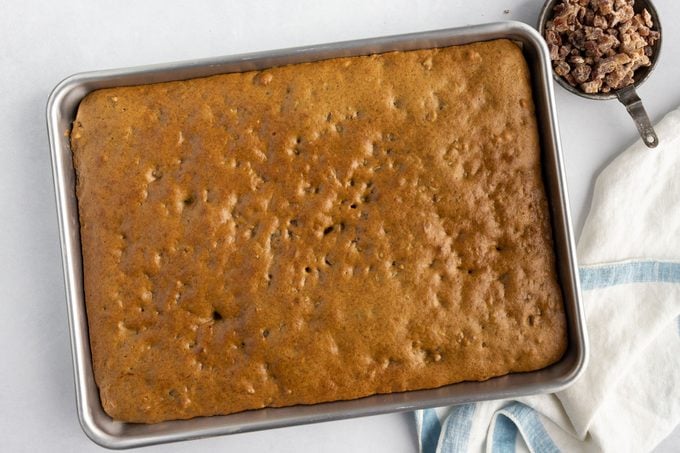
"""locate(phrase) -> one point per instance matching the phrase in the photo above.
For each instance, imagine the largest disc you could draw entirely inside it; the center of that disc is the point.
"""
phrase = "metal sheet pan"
(61, 109)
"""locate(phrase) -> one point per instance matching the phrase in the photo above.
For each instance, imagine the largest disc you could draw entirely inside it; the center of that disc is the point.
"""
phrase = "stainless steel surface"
(61, 109)
(637, 112)
(629, 97)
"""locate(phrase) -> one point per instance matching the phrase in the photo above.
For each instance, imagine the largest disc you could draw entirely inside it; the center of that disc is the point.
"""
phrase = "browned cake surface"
(315, 232)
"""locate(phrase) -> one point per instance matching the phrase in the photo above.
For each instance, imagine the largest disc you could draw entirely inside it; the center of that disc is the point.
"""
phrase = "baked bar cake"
(315, 232)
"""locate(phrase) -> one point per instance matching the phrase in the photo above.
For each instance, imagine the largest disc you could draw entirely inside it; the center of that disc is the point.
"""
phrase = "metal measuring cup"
(627, 96)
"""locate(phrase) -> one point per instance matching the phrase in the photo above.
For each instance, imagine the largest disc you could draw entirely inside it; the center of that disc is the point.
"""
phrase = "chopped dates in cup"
(597, 45)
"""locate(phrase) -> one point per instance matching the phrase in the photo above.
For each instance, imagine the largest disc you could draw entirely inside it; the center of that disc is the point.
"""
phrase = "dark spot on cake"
(308, 269)
(353, 206)
(327, 230)
(265, 333)
(253, 230)
(436, 301)
(216, 316)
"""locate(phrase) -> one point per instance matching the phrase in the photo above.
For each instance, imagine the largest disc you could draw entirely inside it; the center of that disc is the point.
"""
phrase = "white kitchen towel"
(628, 398)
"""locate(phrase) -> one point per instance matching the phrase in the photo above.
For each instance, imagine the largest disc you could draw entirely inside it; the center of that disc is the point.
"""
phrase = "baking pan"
(61, 110)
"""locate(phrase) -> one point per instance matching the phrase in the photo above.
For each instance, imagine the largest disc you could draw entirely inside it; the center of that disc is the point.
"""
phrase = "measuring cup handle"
(628, 97)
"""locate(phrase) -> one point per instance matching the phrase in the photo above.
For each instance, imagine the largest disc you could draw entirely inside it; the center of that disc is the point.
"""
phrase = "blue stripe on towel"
(593, 277)
(456, 429)
(429, 427)
(527, 421)
(504, 435)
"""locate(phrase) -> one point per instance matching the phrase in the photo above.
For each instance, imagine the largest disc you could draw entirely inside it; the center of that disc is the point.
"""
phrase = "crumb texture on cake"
(315, 232)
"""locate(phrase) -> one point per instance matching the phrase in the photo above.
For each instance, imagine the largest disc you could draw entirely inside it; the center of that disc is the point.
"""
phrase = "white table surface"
(43, 42)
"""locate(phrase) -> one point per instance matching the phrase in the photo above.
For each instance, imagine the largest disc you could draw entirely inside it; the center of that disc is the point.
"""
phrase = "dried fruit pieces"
(597, 45)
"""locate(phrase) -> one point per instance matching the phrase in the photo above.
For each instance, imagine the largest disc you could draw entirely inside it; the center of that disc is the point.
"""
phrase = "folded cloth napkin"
(628, 398)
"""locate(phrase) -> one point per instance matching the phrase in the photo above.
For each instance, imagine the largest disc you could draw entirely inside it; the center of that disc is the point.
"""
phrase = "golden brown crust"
(315, 232)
